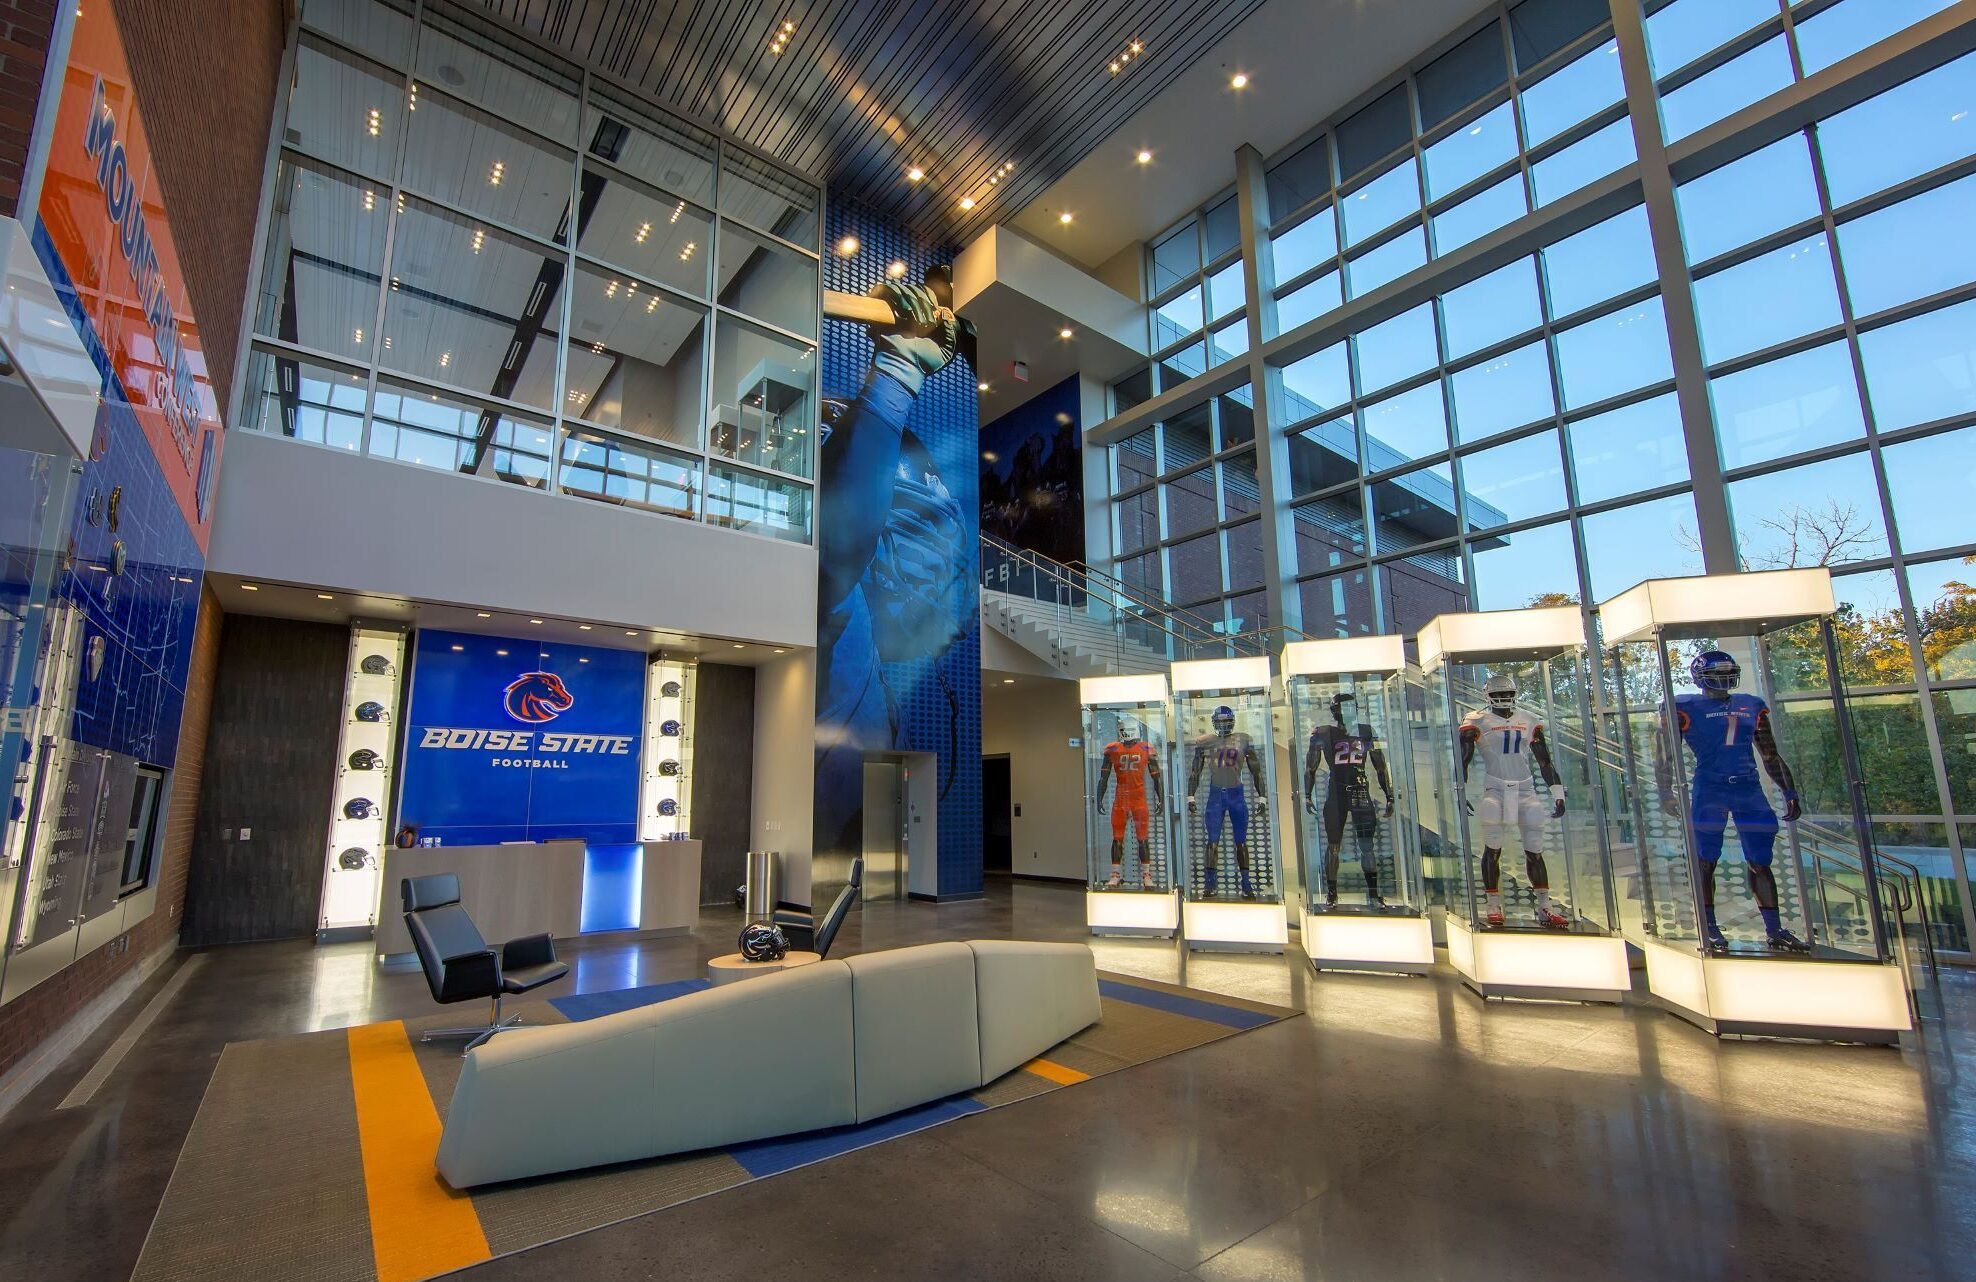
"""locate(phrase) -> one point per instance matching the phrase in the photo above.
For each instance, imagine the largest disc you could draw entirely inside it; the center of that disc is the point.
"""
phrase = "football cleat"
(1248, 887)
(1551, 919)
(1783, 941)
(1146, 877)
(1331, 898)
(1713, 939)
(1115, 880)
(1208, 879)
(1373, 899)
(1494, 917)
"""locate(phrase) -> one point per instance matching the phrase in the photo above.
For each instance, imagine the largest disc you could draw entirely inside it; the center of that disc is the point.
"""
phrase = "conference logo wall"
(138, 536)
(508, 739)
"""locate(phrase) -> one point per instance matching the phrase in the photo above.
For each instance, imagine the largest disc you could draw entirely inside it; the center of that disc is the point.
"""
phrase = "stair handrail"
(1189, 632)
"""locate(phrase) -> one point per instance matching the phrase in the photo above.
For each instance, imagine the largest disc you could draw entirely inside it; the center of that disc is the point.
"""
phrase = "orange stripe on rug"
(419, 1226)
(1055, 1072)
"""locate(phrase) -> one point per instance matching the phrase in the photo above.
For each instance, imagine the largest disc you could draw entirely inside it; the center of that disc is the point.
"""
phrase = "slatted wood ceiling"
(867, 88)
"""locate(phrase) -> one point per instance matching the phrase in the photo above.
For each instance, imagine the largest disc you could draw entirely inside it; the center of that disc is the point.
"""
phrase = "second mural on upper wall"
(1032, 475)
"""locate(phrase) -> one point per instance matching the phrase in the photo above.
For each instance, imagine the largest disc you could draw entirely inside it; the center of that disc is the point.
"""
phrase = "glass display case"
(1531, 913)
(366, 757)
(1723, 863)
(665, 791)
(1128, 784)
(1232, 888)
(1351, 761)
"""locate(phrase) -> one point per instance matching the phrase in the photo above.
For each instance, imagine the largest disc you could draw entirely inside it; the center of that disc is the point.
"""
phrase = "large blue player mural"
(898, 628)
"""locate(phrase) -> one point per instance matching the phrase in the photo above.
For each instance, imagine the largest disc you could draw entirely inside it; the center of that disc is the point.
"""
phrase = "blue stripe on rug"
(1192, 1007)
(772, 1157)
(582, 1006)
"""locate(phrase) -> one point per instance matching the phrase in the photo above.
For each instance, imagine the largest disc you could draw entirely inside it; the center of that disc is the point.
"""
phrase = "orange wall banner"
(103, 220)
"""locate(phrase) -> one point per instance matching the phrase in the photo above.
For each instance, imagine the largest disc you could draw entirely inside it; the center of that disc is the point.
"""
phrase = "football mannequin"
(1500, 735)
(1131, 761)
(1344, 746)
(1224, 753)
(1728, 732)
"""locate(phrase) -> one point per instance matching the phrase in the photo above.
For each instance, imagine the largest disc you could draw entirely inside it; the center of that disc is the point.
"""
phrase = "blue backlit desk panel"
(558, 888)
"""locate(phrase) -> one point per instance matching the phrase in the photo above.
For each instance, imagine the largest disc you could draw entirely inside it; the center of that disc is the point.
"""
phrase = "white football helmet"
(1501, 692)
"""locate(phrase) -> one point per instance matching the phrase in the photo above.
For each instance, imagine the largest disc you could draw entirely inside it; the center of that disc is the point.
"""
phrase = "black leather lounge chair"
(460, 966)
(807, 931)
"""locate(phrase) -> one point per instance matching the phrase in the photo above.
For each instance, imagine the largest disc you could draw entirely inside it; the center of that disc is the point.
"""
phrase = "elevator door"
(884, 830)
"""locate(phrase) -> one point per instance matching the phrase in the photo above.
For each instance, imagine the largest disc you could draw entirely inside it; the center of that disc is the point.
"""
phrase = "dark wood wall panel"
(270, 768)
(723, 776)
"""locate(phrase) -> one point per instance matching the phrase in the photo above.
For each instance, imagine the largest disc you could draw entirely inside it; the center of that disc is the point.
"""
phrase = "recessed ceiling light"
(896, 269)
(458, 648)
(483, 614)
(967, 202)
(1008, 681)
(582, 627)
(1064, 217)
(914, 174)
(628, 632)
(847, 246)
(981, 387)
(1064, 333)
(581, 659)
(502, 653)
(535, 620)
(1145, 157)
(781, 652)
(739, 646)
(1239, 80)
(250, 587)
(325, 596)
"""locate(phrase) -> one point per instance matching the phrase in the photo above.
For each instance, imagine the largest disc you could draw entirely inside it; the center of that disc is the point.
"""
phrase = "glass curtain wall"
(1508, 432)
(480, 258)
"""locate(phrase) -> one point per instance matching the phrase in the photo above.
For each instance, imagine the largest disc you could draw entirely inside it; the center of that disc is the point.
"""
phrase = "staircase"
(1085, 623)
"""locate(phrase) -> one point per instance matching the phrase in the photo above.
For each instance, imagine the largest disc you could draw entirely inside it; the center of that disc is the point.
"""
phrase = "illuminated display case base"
(1565, 968)
(1352, 941)
(1235, 928)
(1132, 913)
(1780, 996)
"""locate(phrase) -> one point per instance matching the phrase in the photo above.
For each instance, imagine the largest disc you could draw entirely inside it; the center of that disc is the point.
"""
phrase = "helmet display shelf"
(1755, 920)
(1516, 821)
(1232, 893)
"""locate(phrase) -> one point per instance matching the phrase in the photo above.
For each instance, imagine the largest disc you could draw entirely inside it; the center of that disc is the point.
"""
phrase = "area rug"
(311, 1156)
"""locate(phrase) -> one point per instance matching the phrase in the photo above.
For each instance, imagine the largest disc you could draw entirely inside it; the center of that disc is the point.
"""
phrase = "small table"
(733, 967)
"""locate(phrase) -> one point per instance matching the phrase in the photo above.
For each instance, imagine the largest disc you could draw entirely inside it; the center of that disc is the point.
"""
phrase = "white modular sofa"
(827, 1044)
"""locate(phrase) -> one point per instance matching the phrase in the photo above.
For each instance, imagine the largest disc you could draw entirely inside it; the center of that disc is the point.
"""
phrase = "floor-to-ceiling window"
(483, 259)
(1466, 343)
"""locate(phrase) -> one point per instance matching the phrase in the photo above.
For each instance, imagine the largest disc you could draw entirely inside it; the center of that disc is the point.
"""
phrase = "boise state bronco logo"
(536, 697)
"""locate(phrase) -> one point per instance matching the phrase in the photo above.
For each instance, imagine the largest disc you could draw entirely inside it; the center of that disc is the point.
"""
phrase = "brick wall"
(25, 29)
(32, 1016)
(205, 72)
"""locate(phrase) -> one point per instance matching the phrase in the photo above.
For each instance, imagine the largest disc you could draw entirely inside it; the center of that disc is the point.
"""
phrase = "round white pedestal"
(733, 967)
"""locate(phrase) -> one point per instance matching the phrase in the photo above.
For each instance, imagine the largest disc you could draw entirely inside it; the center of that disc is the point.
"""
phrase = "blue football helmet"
(1223, 719)
(668, 806)
(373, 711)
(1716, 670)
(670, 729)
(763, 941)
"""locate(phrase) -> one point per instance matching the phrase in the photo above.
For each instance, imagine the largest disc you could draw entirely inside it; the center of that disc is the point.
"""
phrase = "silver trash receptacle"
(764, 884)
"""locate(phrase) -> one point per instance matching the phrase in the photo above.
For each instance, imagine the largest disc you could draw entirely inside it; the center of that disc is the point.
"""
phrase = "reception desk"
(538, 888)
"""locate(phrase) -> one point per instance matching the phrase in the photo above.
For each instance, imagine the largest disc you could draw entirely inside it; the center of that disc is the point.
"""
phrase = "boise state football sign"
(513, 740)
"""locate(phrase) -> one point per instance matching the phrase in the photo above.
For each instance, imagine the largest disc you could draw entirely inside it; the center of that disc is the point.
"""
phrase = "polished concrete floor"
(1399, 1130)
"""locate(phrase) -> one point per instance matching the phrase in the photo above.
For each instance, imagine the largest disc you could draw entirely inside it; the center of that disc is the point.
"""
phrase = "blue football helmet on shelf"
(371, 710)
(763, 941)
(1716, 670)
(667, 806)
(1223, 719)
(365, 759)
(670, 729)
(376, 665)
(670, 689)
(359, 808)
